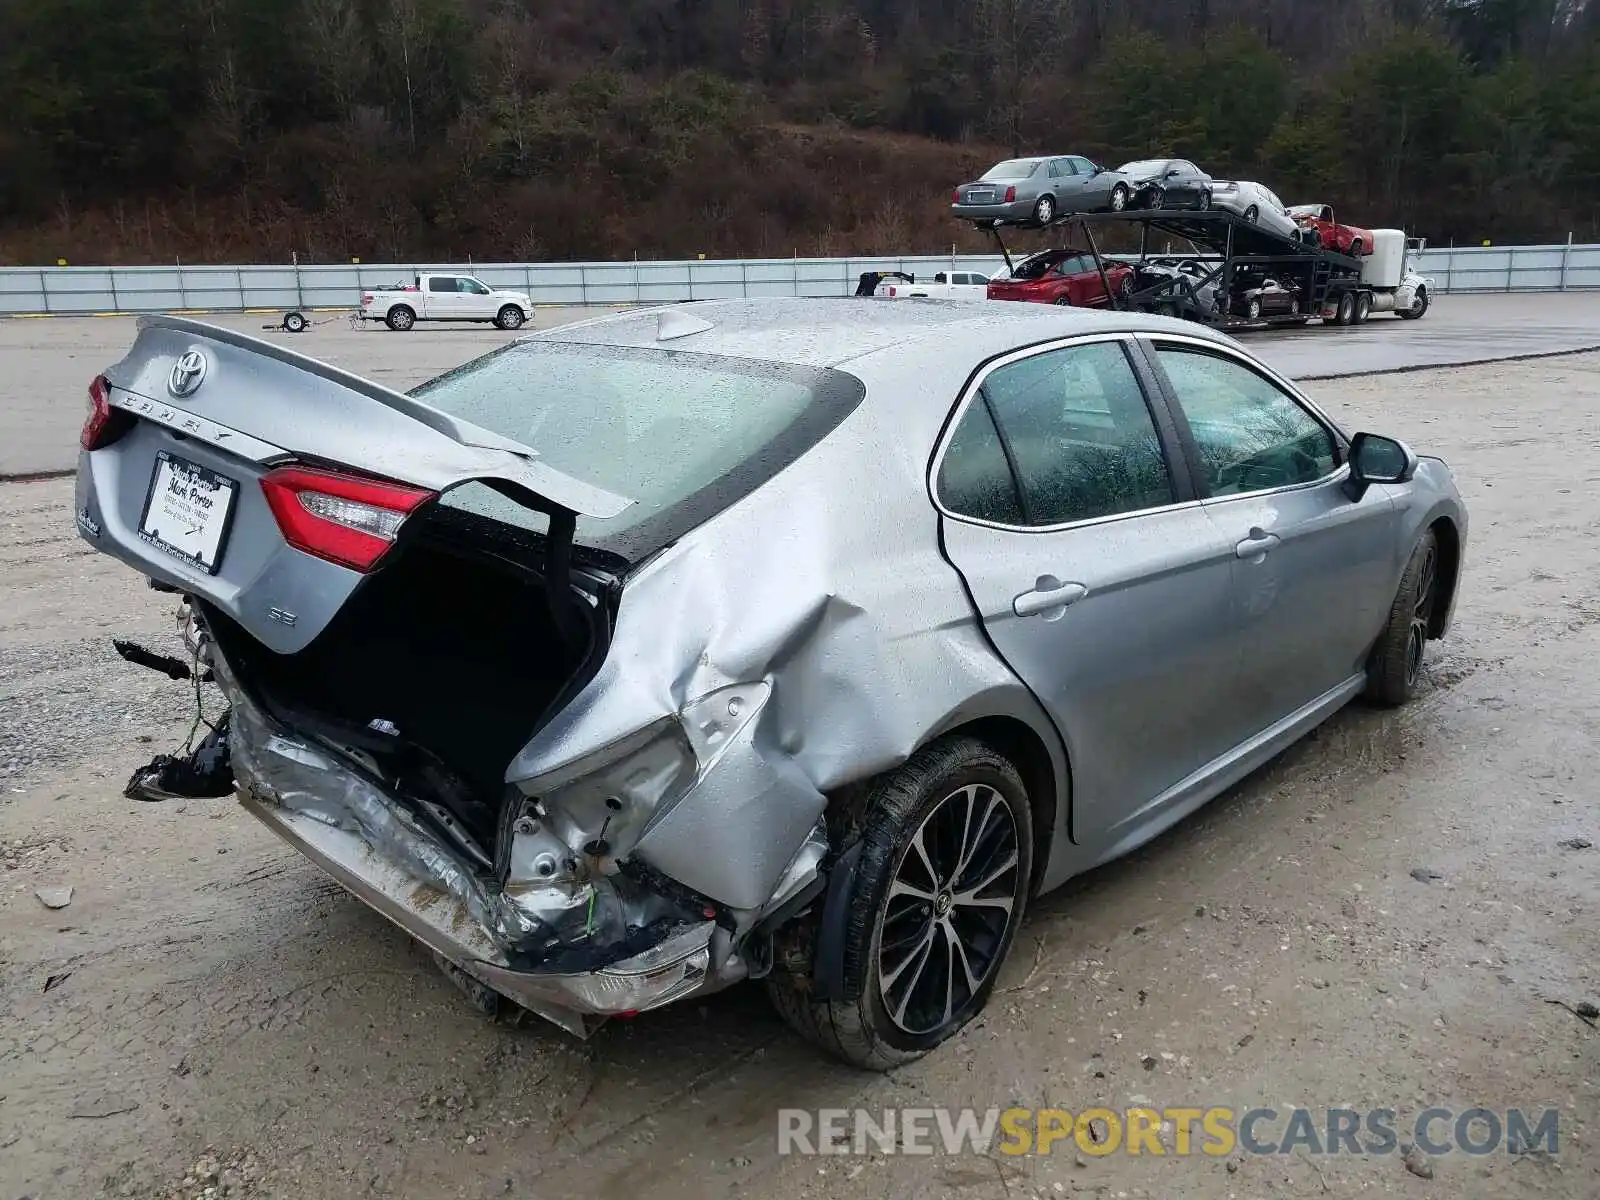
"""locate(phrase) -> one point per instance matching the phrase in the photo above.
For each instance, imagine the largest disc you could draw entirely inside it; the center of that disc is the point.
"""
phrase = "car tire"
(1355, 247)
(1063, 301)
(1419, 306)
(1396, 662)
(1252, 214)
(1119, 197)
(510, 317)
(401, 318)
(1158, 199)
(1044, 210)
(1203, 203)
(1253, 309)
(294, 322)
(896, 1017)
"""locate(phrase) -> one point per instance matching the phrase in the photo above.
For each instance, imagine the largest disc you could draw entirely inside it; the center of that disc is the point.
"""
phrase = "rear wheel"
(1045, 210)
(1396, 663)
(1063, 301)
(1204, 202)
(1253, 309)
(1363, 308)
(933, 907)
(1347, 309)
(401, 318)
(510, 317)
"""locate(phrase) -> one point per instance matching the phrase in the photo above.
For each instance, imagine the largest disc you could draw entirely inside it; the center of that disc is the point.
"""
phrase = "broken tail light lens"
(346, 519)
(104, 424)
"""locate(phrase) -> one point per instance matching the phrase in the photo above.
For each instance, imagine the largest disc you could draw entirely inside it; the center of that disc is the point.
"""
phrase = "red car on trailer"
(1066, 277)
(1346, 239)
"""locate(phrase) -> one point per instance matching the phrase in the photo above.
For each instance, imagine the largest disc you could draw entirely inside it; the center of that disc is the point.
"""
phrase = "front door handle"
(1257, 544)
(1049, 596)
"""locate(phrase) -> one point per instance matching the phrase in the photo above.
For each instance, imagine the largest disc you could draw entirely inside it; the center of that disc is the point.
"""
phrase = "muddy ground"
(206, 989)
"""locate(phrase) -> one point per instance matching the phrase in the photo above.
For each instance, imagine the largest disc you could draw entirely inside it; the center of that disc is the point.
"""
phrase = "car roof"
(829, 332)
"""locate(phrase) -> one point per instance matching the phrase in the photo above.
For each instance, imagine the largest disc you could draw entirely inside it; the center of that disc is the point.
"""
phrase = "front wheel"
(933, 907)
(1252, 214)
(1254, 309)
(1419, 305)
(1204, 202)
(1062, 301)
(1396, 663)
(1119, 198)
(510, 317)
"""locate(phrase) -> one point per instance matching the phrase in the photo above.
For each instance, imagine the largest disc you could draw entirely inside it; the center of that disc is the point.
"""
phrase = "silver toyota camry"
(796, 640)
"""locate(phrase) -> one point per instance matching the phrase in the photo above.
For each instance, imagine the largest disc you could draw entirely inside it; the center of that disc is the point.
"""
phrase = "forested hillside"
(217, 130)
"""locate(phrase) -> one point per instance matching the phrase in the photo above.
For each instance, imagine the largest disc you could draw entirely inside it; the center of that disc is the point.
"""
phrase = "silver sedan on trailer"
(781, 639)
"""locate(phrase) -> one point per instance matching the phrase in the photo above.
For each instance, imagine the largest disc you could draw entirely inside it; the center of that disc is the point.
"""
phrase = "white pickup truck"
(442, 297)
(945, 285)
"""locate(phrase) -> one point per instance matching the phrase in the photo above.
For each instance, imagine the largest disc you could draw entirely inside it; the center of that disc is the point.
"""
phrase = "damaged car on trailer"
(676, 648)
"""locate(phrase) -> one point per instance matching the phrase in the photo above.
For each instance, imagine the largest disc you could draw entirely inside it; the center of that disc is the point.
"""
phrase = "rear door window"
(1075, 430)
(443, 283)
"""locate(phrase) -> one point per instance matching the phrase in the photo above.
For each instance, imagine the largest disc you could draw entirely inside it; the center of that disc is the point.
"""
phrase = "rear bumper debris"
(377, 850)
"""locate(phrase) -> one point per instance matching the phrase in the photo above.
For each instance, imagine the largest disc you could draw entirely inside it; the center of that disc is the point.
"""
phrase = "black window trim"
(1184, 494)
(1150, 346)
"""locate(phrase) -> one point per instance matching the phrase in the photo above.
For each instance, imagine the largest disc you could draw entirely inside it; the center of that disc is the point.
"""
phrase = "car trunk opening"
(439, 668)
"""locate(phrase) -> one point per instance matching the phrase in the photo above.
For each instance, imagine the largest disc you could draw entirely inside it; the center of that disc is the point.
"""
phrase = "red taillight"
(955, 196)
(104, 424)
(346, 519)
(1011, 194)
(366, 298)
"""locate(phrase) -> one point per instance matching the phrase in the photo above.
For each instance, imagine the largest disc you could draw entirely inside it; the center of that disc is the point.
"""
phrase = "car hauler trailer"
(1232, 260)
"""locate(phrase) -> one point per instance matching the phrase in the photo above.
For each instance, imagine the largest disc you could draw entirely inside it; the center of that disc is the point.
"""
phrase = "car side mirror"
(1378, 459)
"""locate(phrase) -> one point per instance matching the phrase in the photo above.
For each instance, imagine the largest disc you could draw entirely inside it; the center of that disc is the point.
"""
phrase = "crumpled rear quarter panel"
(827, 582)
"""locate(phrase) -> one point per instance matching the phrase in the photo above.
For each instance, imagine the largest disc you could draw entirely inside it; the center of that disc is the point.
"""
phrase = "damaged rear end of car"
(398, 593)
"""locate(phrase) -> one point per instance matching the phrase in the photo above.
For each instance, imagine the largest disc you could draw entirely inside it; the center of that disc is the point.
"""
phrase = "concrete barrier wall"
(84, 290)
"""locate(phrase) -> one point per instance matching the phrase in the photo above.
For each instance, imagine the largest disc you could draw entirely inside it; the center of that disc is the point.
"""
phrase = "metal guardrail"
(85, 290)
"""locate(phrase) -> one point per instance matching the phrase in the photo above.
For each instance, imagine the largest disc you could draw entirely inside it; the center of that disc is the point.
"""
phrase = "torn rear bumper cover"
(374, 848)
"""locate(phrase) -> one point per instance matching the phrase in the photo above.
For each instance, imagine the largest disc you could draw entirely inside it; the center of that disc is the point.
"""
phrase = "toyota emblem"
(188, 373)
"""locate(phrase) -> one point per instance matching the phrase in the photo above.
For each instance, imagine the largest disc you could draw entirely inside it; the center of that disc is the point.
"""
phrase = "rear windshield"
(682, 435)
(1016, 168)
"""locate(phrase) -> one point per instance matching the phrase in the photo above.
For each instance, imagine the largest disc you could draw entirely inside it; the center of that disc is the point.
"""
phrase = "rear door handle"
(1049, 596)
(1257, 544)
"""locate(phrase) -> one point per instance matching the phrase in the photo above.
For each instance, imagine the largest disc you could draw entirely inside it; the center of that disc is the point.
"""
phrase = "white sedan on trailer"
(1254, 202)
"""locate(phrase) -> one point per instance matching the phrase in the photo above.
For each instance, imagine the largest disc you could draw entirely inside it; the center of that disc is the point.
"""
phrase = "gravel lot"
(209, 1010)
